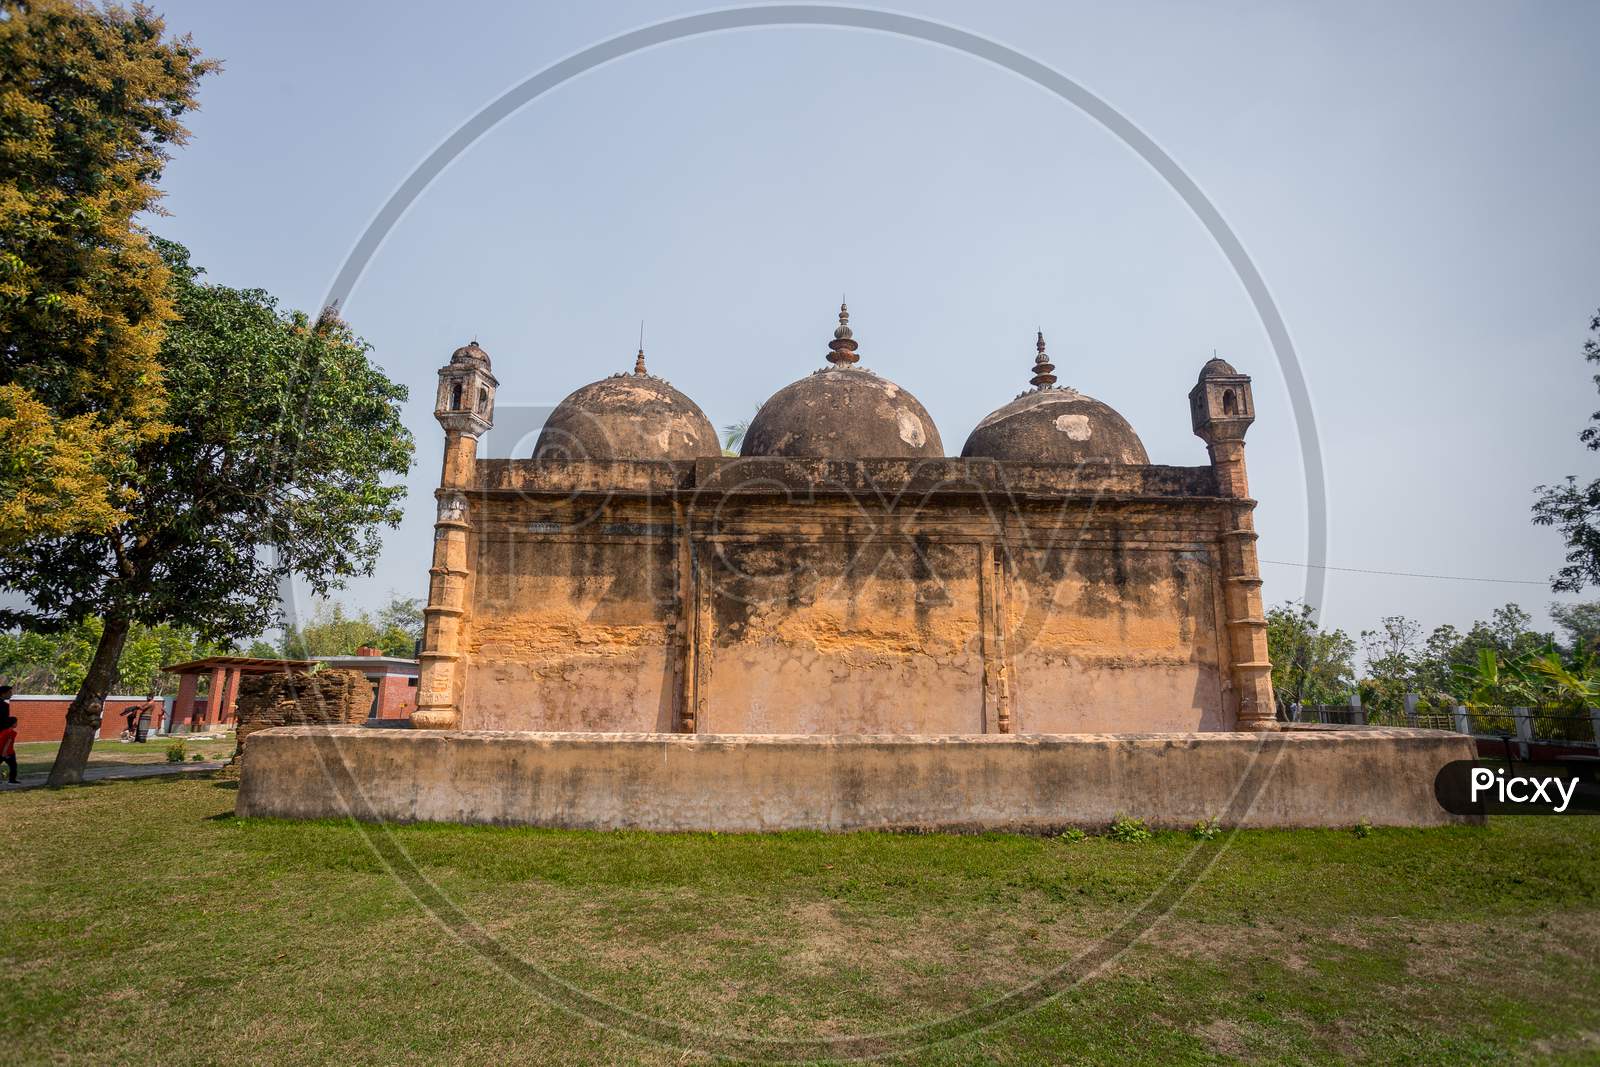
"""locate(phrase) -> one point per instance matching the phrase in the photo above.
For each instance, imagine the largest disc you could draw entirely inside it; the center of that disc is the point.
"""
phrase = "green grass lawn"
(35, 757)
(142, 921)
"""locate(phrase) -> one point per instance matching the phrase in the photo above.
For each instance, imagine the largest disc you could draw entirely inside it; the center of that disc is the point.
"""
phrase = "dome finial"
(842, 349)
(1043, 370)
(638, 361)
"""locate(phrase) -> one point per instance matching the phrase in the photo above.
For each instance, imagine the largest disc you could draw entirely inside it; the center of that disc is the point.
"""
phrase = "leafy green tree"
(285, 438)
(332, 631)
(733, 436)
(40, 662)
(149, 648)
(261, 648)
(1575, 509)
(1506, 634)
(90, 101)
(400, 626)
(1433, 676)
(1580, 623)
(1392, 657)
(1310, 665)
(329, 632)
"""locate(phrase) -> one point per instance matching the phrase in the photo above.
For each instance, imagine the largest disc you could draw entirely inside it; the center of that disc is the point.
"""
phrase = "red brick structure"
(192, 714)
(394, 681)
(43, 717)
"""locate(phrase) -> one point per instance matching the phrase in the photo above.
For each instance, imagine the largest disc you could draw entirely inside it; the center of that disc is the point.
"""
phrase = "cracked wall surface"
(815, 597)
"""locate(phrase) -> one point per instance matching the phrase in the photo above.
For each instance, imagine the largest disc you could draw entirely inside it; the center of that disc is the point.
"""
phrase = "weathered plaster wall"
(676, 782)
(570, 633)
(810, 597)
(1115, 637)
(843, 636)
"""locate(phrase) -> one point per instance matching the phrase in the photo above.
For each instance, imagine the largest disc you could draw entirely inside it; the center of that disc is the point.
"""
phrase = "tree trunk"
(83, 716)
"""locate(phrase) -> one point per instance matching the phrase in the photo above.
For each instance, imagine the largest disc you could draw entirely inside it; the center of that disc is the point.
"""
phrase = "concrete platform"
(1299, 776)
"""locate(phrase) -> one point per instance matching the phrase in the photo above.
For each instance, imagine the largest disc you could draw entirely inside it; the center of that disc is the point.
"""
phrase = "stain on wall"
(845, 637)
(755, 605)
(570, 634)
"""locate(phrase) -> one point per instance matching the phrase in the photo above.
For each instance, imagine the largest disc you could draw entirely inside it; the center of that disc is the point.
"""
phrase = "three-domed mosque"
(842, 575)
(842, 627)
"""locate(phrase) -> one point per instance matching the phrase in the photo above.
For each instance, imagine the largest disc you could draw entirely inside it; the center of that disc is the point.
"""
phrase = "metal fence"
(1561, 727)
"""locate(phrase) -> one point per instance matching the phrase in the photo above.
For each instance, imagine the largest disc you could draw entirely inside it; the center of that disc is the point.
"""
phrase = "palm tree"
(733, 436)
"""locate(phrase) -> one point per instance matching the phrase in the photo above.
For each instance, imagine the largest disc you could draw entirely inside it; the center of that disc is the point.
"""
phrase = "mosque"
(842, 627)
(842, 575)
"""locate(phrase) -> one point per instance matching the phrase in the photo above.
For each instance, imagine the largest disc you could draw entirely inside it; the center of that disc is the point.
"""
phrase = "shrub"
(1205, 830)
(196, 758)
(175, 752)
(1362, 828)
(1128, 830)
(1071, 835)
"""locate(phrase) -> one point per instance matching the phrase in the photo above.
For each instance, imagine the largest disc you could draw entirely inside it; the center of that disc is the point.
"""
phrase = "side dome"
(843, 412)
(1217, 368)
(470, 353)
(627, 417)
(1051, 424)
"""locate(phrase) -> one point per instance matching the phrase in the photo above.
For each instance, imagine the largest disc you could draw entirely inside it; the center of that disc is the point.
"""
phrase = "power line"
(1406, 574)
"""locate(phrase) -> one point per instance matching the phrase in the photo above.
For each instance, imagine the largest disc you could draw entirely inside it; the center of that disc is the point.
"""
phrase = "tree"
(1391, 655)
(733, 436)
(1433, 675)
(149, 648)
(1580, 622)
(329, 632)
(1309, 665)
(90, 100)
(40, 662)
(1575, 509)
(284, 435)
(1452, 667)
(400, 623)
(332, 631)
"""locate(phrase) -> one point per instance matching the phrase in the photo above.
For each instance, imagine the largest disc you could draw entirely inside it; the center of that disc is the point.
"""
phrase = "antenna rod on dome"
(842, 349)
(1043, 370)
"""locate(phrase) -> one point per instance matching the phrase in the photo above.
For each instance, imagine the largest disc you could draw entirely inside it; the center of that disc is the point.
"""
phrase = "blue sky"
(1416, 184)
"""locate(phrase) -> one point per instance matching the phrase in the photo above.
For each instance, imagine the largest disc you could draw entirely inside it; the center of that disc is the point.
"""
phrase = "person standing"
(8, 747)
(151, 712)
(131, 715)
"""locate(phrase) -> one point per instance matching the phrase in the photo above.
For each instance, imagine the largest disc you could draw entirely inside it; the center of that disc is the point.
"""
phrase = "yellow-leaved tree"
(90, 102)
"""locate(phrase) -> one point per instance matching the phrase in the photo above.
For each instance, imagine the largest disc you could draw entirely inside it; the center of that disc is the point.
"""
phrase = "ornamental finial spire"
(638, 361)
(1043, 370)
(842, 349)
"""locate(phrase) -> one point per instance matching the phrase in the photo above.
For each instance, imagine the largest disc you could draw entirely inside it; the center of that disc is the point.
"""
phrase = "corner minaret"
(465, 408)
(1222, 409)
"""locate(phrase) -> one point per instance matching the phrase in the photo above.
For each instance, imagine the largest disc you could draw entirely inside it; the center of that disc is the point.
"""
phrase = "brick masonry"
(324, 698)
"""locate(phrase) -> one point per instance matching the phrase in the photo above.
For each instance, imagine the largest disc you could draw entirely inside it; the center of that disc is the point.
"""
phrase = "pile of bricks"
(320, 698)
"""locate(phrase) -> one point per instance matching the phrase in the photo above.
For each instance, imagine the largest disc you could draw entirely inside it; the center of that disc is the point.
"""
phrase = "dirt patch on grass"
(1224, 1038)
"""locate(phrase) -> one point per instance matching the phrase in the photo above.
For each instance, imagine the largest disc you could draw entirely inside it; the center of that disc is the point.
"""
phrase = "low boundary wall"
(1300, 776)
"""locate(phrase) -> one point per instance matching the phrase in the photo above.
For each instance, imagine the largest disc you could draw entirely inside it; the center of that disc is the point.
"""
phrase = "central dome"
(1051, 424)
(843, 412)
(627, 417)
